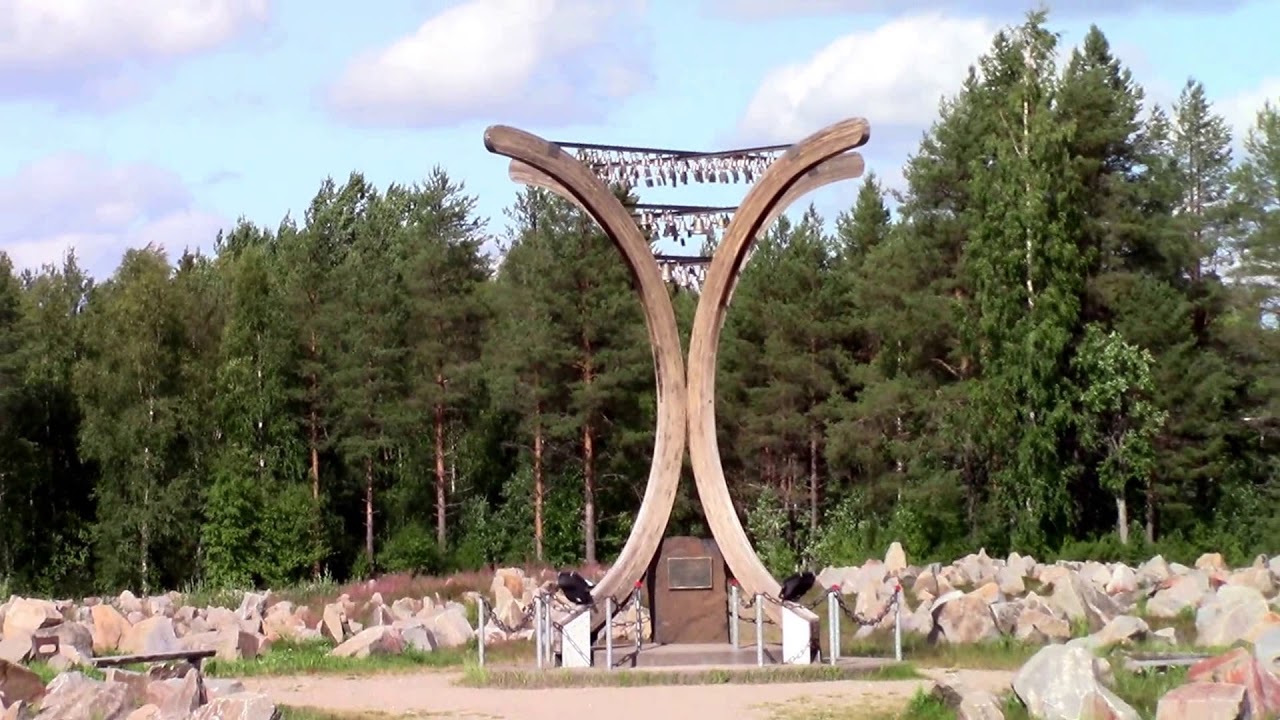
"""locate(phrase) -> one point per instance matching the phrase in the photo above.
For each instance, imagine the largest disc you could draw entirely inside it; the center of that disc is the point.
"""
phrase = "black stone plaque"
(690, 573)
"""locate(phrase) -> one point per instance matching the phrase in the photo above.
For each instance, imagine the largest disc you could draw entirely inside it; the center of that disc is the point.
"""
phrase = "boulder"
(238, 706)
(895, 559)
(1203, 701)
(18, 684)
(376, 640)
(965, 619)
(152, 635)
(1082, 602)
(1122, 630)
(1267, 650)
(450, 626)
(109, 628)
(1235, 612)
(73, 696)
(1240, 667)
(967, 703)
(1177, 594)
(25, 616)
(1153, 572)
(1062, 682)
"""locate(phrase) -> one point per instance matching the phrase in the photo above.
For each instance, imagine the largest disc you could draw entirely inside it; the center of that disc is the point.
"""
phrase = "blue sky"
(135, 121)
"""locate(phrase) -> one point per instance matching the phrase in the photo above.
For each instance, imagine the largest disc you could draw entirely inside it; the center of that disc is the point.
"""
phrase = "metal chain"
(552, 599)
(851, 614)
(871, 622)
(525, 619)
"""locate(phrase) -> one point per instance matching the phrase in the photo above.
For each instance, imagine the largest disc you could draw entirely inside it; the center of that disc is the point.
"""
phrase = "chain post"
(635, 602)
(608, 633)
(897, 621)
(480, 631)
(759, 630)
(833, 623)
(539, 637)
(733, 612)
(549, 648)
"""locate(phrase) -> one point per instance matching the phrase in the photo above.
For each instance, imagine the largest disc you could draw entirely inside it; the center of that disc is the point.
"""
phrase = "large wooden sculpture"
(687, 406)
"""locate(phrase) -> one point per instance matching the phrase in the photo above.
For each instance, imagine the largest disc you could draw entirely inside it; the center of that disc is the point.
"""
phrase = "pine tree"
(528, 349)
(130, 388)
(369, 411)
(14, 451)
(1257, 199)
(1028, 280)
(312, 255)
(447, 314)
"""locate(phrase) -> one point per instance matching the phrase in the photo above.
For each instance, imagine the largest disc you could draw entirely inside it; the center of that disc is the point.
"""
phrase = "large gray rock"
(73, 696)
(1267, 650)
(1203, 701)
(1235, 612)
(965, 619)
(1179, 593)
(18, 684)
(238, 706)
(966, 702)
(375, 640)
(1122, 630)
(1082, 602)
(1062, 682)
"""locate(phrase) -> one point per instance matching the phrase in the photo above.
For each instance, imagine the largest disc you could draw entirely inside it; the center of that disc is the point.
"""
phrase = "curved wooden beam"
(767, 194)
(573, 180)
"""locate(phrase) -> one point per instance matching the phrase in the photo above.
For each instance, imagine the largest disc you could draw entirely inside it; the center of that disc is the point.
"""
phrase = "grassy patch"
(313, 658)
(921, 706)
(46, 673)
(488, 677)
(1007, 653)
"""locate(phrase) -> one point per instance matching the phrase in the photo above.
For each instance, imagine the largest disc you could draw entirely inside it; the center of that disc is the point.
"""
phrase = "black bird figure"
(794, 587)
(575, 587)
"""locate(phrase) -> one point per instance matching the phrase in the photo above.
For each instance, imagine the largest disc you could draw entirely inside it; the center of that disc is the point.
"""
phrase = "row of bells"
(630, 168)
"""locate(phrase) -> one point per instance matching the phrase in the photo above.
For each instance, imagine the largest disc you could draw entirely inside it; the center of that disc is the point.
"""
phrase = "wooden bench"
(1160, 662)
(195, 657)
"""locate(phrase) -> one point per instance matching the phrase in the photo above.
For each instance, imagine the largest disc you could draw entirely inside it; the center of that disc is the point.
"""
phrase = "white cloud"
(75, 201)
(528, 61)
(761, 9)
(88, 49)
(894, 75)
(1241, 110)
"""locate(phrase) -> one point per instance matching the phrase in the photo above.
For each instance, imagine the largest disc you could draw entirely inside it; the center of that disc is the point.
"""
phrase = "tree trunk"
(539, 490)
(368, 511)
(1122, 519)
(588, 460)
(441, 480)
(314, 441)
(1151, 511)
(813, 482)
(589, 492)
(144, 539)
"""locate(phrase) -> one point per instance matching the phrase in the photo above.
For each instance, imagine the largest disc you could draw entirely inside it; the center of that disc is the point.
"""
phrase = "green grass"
(46, 673)
(312, 658)
(488, 677)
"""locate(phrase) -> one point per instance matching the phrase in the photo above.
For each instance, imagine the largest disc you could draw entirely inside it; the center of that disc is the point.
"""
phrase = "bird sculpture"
(575, 587)
(794, 587)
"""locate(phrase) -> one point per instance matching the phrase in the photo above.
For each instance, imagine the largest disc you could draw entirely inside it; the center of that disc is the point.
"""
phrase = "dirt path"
(434, 694)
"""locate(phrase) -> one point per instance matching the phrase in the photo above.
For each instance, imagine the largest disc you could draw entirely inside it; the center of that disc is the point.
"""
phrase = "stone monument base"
(799, 636)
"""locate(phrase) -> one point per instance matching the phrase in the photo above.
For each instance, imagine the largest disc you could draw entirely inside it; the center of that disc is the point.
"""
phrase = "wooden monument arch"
(686, 404)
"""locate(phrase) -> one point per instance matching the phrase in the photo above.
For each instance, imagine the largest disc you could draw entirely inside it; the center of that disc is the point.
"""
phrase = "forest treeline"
(1063, 341)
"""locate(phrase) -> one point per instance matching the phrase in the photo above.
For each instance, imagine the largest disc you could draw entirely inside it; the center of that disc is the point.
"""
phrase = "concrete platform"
(708, 656)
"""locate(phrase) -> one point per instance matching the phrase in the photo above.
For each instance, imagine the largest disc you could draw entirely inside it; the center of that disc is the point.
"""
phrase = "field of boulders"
(1079, 610)
(1074, 609)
